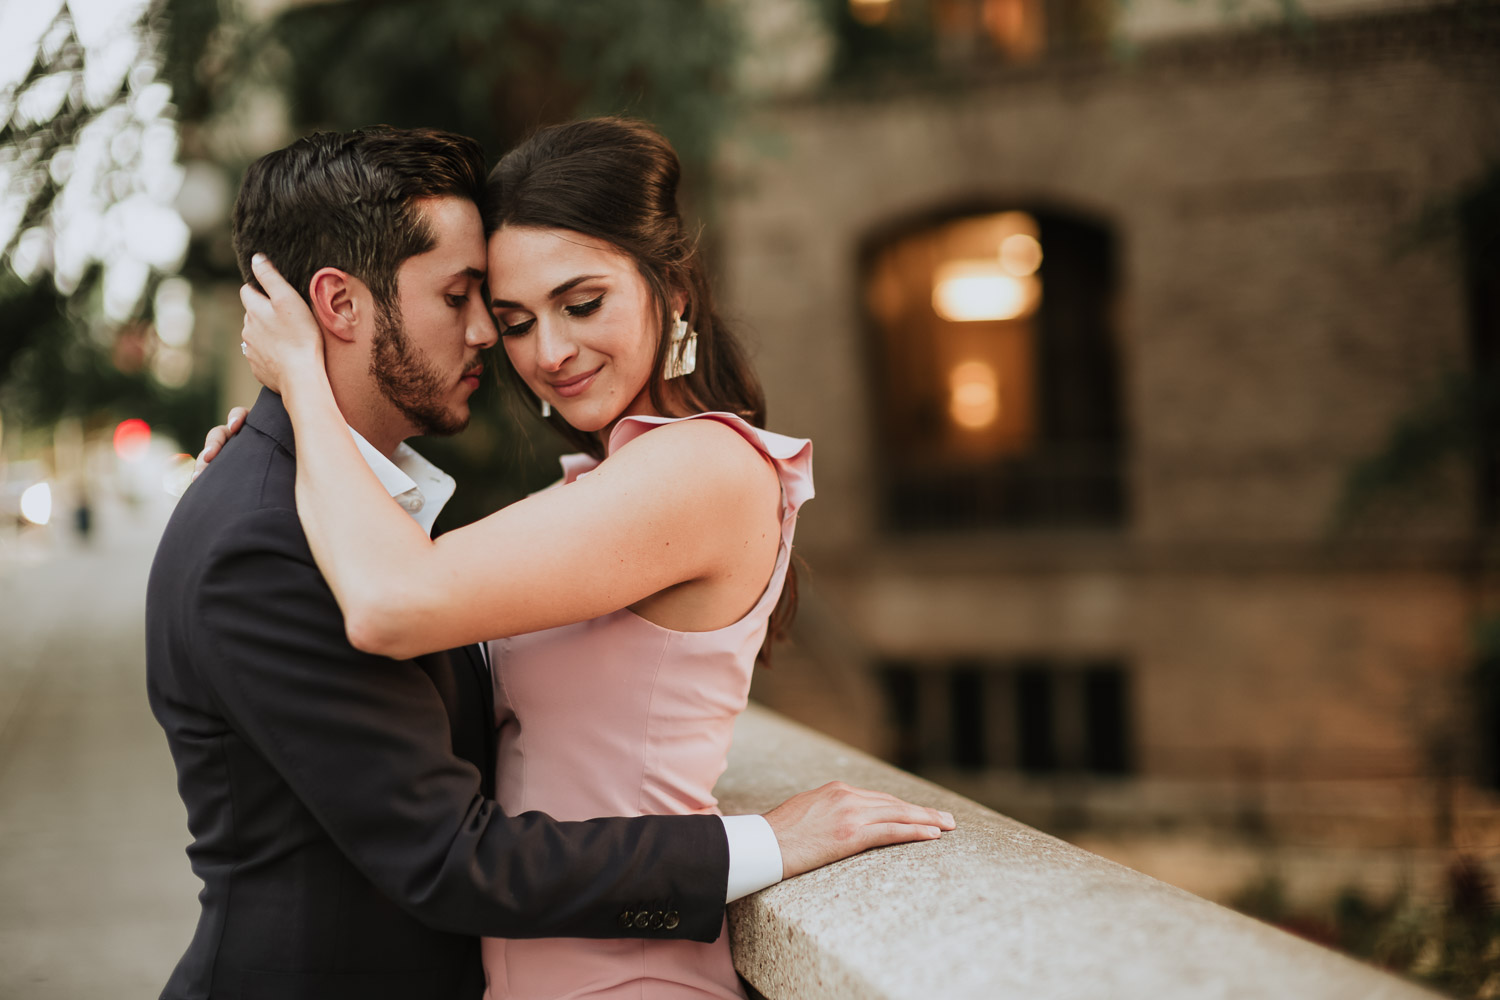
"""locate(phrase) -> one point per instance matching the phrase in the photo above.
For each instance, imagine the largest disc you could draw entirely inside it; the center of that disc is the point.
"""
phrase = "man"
(341, 803)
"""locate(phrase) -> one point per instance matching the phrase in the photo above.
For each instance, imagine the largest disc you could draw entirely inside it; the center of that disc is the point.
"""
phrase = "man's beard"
(409, 381)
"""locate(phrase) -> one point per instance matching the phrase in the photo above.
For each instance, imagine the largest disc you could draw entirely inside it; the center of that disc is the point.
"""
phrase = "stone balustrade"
(994, 910)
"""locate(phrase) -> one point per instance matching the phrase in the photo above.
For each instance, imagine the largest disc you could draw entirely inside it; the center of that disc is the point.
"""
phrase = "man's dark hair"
(346, 200)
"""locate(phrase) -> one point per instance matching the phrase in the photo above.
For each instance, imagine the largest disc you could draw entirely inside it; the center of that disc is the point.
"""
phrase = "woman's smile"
(575, 386)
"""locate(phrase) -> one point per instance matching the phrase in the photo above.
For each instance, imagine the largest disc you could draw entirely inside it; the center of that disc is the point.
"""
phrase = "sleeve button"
(627, 919)
(642, 920)
(671, 920)
(657, 920)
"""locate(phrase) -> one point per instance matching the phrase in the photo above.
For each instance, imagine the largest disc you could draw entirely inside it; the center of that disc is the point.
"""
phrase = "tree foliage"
(87, 150)
(1460, 418)
(494, 70)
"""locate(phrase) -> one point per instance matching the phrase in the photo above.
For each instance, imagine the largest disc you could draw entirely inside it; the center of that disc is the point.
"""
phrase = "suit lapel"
(269, 416)
(474, 736)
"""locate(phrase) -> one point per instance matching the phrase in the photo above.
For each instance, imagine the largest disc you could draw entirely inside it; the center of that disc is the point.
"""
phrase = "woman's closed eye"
(585, 308)
(514, 329)
(577, 311)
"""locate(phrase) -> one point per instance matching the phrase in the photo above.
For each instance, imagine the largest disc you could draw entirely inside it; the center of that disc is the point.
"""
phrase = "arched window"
(996, 379)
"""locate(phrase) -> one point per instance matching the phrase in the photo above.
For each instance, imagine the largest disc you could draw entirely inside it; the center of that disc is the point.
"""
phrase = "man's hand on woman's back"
(218, 437)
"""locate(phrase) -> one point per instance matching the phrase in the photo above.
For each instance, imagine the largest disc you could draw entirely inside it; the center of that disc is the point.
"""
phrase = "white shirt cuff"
(754, 855)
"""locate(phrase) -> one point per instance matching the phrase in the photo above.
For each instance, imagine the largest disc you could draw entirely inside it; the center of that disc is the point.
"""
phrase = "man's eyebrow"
(557, 292)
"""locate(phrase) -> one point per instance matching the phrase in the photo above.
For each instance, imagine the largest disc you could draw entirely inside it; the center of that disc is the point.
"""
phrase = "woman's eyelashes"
(578, 311)
(585, 308)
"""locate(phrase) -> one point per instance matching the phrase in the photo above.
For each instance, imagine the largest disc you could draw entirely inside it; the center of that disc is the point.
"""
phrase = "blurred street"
(96, 897)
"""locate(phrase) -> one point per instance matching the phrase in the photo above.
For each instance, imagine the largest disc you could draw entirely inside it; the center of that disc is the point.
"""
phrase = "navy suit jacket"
(340, 803)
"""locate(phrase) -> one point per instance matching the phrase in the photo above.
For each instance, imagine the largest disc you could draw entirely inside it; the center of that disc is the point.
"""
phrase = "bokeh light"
(1020, 254)
(36, 503)
(973, 394)
(132, 438)
(115, 177)
(967, 291)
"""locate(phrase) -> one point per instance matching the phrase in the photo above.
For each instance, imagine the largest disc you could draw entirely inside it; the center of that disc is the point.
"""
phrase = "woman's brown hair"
(615, 179)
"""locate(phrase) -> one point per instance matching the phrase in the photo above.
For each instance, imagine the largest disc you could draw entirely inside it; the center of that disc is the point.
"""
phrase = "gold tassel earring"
(682, 354)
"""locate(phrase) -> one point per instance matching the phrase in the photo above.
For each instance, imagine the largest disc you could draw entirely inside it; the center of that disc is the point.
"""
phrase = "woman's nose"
(554, 348)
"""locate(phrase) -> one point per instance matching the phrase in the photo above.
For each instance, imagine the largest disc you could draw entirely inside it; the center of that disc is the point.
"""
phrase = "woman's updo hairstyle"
(615, 179)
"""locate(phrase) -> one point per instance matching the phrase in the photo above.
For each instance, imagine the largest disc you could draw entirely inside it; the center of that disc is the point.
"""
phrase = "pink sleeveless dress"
(617, 716)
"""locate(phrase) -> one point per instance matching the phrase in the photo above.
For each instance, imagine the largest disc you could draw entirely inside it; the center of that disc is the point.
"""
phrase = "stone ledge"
(993, 910)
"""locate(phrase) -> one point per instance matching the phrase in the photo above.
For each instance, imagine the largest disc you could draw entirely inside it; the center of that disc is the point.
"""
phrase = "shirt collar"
(421, 488)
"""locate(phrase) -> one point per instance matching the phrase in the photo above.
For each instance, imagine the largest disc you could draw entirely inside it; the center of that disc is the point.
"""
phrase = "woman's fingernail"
(259, 258)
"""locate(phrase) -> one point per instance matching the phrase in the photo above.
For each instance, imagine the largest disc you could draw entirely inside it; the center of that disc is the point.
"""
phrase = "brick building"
(1090, 347)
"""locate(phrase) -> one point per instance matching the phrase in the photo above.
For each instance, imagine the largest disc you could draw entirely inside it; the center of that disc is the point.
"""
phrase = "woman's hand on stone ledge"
(830, 823)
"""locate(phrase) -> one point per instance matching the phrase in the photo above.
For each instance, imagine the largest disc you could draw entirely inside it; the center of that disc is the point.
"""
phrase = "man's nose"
(480, 330)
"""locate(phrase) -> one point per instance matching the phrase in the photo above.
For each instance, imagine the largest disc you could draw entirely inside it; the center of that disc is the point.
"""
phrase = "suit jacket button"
(671, 920)
(627, 919)
(657, 919)
(642, 919)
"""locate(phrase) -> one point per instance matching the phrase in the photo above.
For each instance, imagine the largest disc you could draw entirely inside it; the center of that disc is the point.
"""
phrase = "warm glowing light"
(132, 438)
(36, 503)
(966, 291)
(870, 11)
(973, 395)
(1020, 254)
(1017, 27)
(178, 475)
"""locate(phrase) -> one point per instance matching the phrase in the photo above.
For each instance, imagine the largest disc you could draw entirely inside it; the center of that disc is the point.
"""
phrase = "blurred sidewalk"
(96, 897)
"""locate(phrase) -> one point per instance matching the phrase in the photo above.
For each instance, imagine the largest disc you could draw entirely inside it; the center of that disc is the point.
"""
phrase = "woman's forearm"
(367, 548)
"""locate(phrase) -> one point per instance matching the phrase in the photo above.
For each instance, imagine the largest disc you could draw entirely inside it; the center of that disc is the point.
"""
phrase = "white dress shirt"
(422, 490)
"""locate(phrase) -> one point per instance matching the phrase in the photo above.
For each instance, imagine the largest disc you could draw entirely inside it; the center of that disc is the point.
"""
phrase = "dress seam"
(646, 755)
(646, 747)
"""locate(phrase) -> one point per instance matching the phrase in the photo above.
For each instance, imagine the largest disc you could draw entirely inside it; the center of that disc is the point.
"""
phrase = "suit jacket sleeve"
(364, 742)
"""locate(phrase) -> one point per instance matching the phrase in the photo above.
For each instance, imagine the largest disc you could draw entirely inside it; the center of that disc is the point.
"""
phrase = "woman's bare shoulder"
(711, 447)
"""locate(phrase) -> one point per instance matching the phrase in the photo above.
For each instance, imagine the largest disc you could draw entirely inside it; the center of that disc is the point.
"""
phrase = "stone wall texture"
(993, 909)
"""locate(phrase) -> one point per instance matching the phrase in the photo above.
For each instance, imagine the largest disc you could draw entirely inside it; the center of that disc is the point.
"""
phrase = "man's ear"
(340, 302)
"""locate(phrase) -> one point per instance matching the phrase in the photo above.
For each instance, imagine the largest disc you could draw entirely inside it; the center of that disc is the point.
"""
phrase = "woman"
(631, 601)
